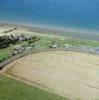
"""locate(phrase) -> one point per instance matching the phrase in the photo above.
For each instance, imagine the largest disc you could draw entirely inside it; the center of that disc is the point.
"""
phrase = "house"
(28, 48)
(53, 46)
(66, 45)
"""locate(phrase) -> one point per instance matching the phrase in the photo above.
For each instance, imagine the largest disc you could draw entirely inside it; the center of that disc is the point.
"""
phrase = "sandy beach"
(31, 31)
(50, 31)
(67, 73)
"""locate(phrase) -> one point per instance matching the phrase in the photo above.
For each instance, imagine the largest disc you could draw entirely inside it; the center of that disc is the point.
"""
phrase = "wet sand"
(53, 31)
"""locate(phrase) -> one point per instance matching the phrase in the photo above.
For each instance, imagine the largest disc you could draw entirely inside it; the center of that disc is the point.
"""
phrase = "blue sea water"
(63, 13)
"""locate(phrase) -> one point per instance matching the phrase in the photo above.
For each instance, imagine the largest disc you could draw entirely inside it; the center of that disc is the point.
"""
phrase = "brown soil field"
(66, 73)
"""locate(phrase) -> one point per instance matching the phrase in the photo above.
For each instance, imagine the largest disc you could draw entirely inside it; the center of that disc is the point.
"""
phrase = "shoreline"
(50, 27)
(55, 31)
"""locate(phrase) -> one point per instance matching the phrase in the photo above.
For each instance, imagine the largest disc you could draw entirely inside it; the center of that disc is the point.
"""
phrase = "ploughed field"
(67, 73)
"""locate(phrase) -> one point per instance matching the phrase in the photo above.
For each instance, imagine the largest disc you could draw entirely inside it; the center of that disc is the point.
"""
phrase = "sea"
(79, 14)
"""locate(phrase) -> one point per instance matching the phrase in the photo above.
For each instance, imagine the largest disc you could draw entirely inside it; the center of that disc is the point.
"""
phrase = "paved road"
(4, 63)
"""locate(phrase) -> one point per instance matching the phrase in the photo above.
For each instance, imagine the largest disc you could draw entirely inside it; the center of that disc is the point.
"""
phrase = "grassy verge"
(46, 42)
(15, 90)
(5, 53)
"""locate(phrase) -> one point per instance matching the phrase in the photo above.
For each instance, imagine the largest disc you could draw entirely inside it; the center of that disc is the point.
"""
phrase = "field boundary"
(13, 58)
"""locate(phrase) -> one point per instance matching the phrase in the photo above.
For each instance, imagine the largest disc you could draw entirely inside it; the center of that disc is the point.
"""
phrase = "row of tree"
(5, 41)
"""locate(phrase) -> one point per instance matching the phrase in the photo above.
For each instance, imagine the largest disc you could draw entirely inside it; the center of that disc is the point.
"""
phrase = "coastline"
(52, 31)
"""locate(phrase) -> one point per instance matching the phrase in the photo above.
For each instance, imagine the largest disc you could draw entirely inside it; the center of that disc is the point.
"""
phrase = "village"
(24, 43)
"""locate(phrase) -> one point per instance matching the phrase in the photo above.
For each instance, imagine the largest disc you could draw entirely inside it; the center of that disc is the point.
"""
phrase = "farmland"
(14, 90)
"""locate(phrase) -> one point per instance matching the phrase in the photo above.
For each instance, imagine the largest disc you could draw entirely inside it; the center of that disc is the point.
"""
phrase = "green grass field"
(14, 90)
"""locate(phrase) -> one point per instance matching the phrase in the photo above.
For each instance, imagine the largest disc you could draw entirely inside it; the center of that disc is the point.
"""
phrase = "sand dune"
(66, 73)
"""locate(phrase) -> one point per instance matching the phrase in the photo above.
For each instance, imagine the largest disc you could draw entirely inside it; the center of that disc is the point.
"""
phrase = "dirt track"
(66, 73)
